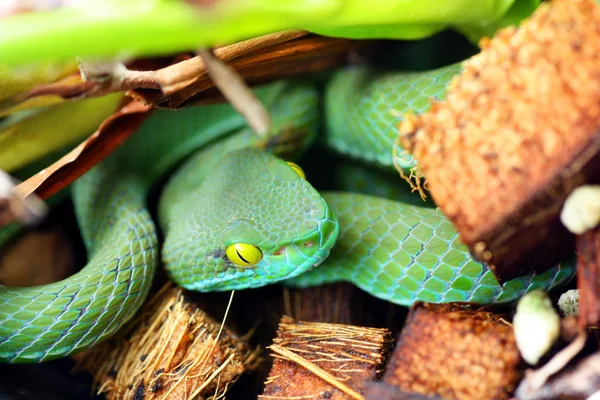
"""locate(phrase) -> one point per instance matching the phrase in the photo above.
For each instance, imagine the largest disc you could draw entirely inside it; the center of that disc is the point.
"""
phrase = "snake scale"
(236, 216)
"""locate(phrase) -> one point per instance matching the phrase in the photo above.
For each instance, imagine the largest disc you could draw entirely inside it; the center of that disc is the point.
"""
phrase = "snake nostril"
(309, 244)
(279, 251)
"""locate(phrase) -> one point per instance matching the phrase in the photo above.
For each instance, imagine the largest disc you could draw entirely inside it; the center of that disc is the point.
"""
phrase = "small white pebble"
(569, 303)
(581, 211)
(536, 325)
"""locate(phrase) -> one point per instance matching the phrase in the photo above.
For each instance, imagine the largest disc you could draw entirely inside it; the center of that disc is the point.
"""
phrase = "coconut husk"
(322, 360)
(173, 351)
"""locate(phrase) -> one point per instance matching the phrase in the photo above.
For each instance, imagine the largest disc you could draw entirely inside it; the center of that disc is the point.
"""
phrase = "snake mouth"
(324, 236)
(313, 247)
(329, 228)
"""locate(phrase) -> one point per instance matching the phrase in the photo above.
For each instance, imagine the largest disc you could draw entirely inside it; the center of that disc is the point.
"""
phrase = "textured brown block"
(350, 355)
(517, 133)
(451, 352)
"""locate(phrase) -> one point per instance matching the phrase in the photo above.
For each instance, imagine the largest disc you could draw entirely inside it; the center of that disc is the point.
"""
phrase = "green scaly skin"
(405, 253)
(51, 321)
(397, 251)
(364, 107)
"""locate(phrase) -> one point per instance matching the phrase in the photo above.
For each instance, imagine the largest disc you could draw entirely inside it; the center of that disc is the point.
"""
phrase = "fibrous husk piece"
(174, 351)
(453, 352)
(518, 131)
(322, 360)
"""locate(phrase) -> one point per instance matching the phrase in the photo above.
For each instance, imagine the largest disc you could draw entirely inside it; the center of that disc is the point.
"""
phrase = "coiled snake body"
(233, 194)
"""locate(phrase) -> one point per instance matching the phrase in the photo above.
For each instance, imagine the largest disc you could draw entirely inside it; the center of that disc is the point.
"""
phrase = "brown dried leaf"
(258, 60)
(97, 79)
(47, 93)
(111, 133)
(306, 54)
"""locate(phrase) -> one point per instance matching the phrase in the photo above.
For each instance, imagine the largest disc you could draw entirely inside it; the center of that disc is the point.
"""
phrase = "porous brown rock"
(451, 351)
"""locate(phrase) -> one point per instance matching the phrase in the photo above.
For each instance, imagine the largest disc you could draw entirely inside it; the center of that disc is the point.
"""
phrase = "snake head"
(252, 222)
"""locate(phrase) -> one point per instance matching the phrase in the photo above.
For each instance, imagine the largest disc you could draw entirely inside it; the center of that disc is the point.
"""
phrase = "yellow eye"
(243, 254)
(297, 169)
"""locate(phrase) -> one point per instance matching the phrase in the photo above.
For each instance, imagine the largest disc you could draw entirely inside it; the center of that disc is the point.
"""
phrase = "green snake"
(236, 216)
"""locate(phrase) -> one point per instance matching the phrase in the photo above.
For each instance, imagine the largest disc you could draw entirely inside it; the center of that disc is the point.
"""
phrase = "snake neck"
(364, 107)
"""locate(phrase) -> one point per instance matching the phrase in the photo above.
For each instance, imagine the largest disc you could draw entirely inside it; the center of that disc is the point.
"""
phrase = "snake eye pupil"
(243, 254)
(241, 257)
(296, 169)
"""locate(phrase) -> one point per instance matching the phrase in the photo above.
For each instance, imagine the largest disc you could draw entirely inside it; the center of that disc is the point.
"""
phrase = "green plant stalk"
(123, 29)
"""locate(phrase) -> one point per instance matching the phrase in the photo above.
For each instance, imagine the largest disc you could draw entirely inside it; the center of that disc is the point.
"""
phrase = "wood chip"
(383, 391)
